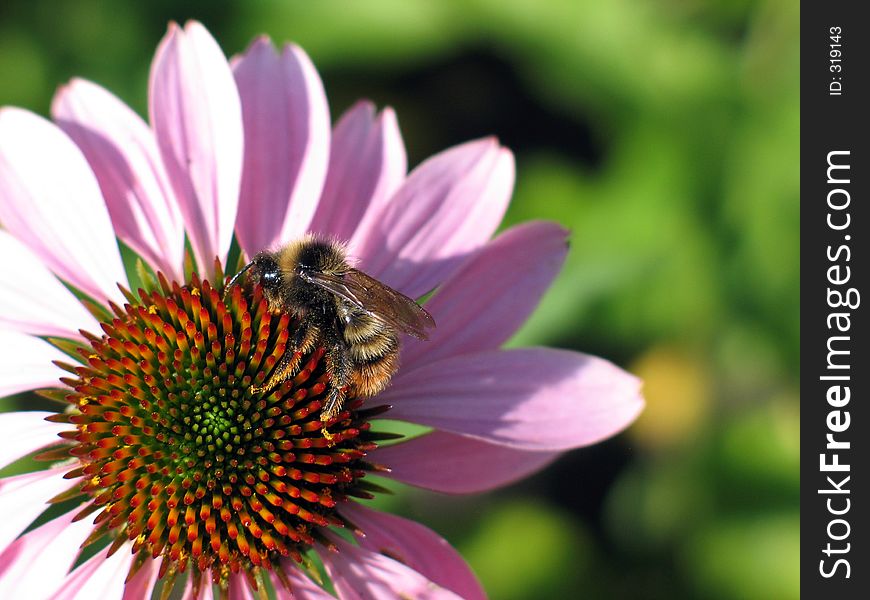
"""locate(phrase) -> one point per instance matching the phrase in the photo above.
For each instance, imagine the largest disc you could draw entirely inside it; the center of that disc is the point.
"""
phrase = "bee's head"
(286, 274)
(265, 270)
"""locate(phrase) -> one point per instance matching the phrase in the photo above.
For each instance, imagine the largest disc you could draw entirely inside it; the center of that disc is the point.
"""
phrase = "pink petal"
(455, 464)
(205, 590)
(32, 299)
(493, 293)
(197, 118)
(359, 574)
(121, 150)
(25, 432)
(533, 398)
(286, 120)
(367, 164)
(37, 563)
(50, 200)
(25, 363)
(448, 207)
(415, 546)
(25, 497)
(302, 586)
(239, 588)
(142, 584)
(97, 577)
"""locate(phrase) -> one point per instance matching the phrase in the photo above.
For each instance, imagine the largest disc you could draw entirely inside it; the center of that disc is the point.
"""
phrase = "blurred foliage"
(665, 134)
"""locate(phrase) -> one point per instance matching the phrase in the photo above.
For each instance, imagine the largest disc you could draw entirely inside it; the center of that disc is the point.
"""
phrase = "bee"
(354, 317)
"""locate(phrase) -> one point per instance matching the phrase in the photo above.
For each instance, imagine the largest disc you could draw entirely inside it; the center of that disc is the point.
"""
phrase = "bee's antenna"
(236, 278)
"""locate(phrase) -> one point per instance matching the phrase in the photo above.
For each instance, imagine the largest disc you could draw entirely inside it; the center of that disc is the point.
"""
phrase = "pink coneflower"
(166, 461)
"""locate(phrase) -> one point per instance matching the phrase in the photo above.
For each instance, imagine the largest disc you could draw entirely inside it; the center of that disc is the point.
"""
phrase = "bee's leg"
(303, 342)
(285, 369)
(339, 366)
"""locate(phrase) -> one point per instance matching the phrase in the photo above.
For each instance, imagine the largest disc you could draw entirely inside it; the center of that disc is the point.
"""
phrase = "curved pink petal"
(359, 574)
(121, 150)
(367, 164)
(25, 363)
(532, 398)
(50, 200)
(448, 207)
(205, 590)
(415, 546)
(286, 121)
(97, 577)
(456, 464)
(141, 585)
(239, 588)
(25, 432)
(35, 564)
(493, 293)
(32, 299)
(303, 588)
(25, 497)
(197, 118)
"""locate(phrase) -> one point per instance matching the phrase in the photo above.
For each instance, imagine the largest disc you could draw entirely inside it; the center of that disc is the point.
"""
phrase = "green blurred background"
(666, 135)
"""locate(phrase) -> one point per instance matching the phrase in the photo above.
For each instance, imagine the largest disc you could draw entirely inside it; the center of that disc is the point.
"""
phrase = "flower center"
(177, 453)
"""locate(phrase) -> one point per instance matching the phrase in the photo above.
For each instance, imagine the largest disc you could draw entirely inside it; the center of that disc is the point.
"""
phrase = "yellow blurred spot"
(678, 390)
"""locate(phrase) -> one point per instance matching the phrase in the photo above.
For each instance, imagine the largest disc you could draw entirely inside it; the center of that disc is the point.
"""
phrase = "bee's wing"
(381, 301)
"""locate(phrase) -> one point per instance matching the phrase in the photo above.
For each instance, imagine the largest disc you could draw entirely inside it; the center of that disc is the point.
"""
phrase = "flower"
(191, 478)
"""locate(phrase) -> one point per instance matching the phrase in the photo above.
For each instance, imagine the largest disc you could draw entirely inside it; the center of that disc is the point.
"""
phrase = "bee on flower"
(216, 437)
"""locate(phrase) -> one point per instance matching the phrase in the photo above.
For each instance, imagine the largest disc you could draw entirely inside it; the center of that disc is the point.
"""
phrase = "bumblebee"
(354, 317)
